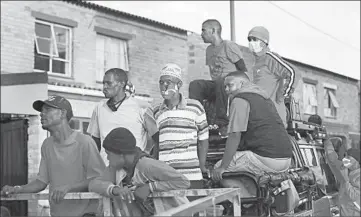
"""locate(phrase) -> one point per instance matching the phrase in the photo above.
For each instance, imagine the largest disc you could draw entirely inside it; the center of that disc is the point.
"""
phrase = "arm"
(103, 184)
(33, 187)
(234, 54)
(353, 192)
(93, 128)
(238, 122)
(97, 142)
(150, 125)
(332, 160)
(203, 135)
(165, 177)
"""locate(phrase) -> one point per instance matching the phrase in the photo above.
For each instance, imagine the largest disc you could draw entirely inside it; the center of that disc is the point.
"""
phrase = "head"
(120, 146)
(170, 81)
(315, 119)
(352, 159)
(211, 30)
(258, 39)
(234, 81)
(55, 111)
(114, 82)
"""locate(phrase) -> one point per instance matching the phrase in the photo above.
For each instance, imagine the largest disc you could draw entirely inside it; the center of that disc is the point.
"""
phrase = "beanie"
(355, 153)
(120, 141)
(260, 33)
(172, 70)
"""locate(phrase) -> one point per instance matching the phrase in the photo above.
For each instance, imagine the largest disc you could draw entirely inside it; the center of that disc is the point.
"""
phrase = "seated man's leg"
(221, 105)
(201, 90)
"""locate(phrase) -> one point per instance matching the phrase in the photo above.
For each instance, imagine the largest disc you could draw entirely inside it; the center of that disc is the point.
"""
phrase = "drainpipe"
(233, 33)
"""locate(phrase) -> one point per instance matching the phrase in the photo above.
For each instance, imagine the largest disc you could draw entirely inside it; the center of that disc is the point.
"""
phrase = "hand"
(216, 174)
(205, 170)
(7, 190)
(142, 192)
(58, 194)
(124, 193)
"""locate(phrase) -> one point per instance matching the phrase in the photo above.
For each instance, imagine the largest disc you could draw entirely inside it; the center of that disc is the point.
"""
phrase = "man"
(257, 140)
(349, 193)
(69, 160)
(271, 72)
(222, 57)
(121, 110)
(182, 125)
(144, 173)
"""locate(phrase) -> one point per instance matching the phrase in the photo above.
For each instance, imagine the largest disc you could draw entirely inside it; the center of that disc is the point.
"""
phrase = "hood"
(252, 88)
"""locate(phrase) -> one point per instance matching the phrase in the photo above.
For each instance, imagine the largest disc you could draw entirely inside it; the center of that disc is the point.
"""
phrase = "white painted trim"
(330, 86)
(354, 133)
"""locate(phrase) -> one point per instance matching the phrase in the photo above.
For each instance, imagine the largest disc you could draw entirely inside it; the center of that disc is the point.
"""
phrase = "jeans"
(211, 91)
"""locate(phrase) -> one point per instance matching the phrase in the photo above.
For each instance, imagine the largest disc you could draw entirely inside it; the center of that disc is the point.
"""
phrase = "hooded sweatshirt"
(265, 134)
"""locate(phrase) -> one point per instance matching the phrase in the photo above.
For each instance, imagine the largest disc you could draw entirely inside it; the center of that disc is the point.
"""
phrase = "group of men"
(164, 147)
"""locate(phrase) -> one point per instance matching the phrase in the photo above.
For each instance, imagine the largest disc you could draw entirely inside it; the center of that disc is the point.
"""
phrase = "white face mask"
(255, 46)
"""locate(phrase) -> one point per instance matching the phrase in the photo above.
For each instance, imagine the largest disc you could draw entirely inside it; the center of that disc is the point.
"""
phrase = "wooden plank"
(201, 204)
(236, 200)
(191, 192)
(45, 196)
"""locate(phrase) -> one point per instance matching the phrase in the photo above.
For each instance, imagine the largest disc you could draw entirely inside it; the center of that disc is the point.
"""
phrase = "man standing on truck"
(183, 127)
(222, 57)
(121, 110)
(69, 161)
(257, 140)
(271, 72)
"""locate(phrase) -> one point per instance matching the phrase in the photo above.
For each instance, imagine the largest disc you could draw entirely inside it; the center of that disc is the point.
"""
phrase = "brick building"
(71, 44)
(335, 97)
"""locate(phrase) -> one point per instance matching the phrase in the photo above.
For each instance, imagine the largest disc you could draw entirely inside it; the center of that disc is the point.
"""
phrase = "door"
(14, 161)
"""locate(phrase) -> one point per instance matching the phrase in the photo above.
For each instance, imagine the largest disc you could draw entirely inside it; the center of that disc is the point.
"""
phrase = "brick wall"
(347, 89)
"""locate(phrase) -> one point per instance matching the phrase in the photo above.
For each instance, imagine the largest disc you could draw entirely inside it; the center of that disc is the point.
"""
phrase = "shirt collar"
(182, 104)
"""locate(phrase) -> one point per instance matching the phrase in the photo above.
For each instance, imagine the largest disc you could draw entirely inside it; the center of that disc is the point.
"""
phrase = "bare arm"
(97, 142)
(202, 151)
(33, 187)
(231, 148)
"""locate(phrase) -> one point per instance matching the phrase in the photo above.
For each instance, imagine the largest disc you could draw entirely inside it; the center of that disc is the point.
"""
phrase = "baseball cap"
(259, 32)
(58, 102)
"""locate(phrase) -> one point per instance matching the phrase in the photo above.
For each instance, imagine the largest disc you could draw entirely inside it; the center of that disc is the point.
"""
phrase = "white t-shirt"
(129, 115)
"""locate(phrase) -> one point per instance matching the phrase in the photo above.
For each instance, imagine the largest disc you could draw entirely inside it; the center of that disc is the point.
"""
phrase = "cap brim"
(38, 105)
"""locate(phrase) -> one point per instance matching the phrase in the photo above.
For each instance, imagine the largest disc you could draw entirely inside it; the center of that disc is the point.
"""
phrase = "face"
(350, 163)
(51, 116)
(169, 86)
(255, 45)
(207, 33)
(232, 85)
(111, 87)
(115, 160)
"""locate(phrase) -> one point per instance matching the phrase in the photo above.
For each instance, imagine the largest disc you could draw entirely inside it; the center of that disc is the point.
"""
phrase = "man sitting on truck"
(257, 139)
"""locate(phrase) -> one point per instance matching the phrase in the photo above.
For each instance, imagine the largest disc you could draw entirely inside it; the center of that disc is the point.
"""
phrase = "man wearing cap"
(121, 110)
(222, 57)
(145, 174)
(69, 160)
(182, 125)
(277, 77)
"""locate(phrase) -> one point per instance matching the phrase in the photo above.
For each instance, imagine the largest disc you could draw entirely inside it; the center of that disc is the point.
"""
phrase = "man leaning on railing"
(69, 160)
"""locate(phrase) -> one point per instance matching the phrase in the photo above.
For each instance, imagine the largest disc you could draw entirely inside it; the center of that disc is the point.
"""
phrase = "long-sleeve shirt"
(159, 176)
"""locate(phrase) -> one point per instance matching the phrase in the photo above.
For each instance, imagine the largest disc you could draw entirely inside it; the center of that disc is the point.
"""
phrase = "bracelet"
(111, 190)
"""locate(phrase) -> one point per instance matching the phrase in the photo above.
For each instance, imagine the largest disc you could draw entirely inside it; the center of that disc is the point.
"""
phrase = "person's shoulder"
(83, 139)
(194, 104)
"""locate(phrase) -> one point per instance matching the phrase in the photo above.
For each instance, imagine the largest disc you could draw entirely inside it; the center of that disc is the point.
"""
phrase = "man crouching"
(147, 175)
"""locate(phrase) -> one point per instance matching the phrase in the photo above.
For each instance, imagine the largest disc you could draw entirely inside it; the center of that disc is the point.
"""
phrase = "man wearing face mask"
(183, 128)
(271, 72)
(222, 57)
(121, 110)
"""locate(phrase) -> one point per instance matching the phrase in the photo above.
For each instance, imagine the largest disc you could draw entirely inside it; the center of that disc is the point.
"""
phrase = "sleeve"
(201, 123)
(104, 183)
(333, 162)
(284, 71)
(233, 52)
(43, 174)
(148, 121)
(93, 128)
(238, 116)
(165, 177)
(353, 192)
(93, 162)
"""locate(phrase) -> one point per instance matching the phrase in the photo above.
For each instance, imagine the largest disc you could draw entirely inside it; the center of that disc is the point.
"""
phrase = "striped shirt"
(180, 129)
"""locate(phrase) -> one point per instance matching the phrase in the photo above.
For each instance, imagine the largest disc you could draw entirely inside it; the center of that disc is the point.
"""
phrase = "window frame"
(304, 103)
(328, 90)
(81, 121)
(51, 57)
(98, 76)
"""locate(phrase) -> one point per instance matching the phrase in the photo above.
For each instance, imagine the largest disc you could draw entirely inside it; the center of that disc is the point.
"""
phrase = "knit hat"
(260, 33)
(355, 153)
(173, 70)
(120, 141)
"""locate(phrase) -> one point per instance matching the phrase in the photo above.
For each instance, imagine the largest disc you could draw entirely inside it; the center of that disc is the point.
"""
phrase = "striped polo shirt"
(180, 129)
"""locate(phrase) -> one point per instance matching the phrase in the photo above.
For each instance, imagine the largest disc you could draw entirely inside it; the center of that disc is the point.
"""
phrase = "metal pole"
(233, 33)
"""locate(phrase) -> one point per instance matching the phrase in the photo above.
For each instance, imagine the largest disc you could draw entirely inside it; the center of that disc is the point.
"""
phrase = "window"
(309, 98)
(80, 125)
(110, 53)
(330, 102)
(52, 49)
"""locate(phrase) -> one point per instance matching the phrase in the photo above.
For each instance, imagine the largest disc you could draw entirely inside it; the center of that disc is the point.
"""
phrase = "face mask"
(171, 91)
(255, 46)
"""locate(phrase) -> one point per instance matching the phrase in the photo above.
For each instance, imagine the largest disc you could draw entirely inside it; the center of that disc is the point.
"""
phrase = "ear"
(213, 30)
(180, 84)
(63, 114)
